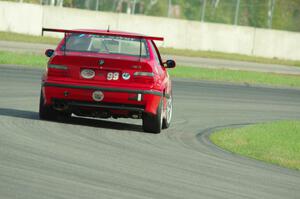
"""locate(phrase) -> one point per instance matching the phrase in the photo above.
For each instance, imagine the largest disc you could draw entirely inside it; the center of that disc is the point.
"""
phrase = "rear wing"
(108, 33)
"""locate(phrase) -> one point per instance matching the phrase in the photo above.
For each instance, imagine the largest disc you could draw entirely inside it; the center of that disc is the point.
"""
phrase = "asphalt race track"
(86, 158)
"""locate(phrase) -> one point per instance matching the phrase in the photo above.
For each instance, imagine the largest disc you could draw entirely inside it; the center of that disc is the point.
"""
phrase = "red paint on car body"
(139, 81)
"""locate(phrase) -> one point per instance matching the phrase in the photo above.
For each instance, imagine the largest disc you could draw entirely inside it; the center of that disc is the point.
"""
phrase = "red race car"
(103, 74)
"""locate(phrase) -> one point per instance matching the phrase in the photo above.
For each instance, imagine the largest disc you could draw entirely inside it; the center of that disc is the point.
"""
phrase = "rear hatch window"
(106, 44)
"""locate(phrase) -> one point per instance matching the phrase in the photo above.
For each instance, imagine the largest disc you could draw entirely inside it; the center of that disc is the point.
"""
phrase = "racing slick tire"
(168, 114)
(46, 112)
(153, 123)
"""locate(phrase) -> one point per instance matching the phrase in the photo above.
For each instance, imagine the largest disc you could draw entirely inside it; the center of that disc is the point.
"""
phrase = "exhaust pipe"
(60, 106)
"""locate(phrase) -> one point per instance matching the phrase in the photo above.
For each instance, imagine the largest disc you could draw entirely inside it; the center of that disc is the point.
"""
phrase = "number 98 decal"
(112, 76)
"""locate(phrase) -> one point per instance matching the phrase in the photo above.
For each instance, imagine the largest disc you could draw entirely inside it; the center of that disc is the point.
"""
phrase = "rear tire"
(46, 112)
(169, 112)
(153, 123)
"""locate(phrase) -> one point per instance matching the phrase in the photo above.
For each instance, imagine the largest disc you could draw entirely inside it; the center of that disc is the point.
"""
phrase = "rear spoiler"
(108, 33)
(102, 33)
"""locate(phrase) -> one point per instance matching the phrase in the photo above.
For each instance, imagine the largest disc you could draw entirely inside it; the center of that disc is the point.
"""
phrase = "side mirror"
(170, 64)
(49, 52)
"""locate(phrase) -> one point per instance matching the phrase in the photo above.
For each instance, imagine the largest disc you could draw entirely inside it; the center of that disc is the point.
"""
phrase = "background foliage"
(286, 13)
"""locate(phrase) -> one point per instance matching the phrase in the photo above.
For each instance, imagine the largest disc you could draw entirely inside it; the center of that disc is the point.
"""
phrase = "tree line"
(276, 14)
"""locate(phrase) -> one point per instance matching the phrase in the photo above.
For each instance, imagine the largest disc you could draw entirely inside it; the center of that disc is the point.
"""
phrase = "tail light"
(144, 77)
(57, 70)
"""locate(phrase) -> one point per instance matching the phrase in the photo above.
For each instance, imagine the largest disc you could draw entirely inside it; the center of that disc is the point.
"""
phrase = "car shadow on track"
(73, 120)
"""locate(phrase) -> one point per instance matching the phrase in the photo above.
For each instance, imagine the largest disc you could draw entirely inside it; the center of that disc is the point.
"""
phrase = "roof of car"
(104, 32)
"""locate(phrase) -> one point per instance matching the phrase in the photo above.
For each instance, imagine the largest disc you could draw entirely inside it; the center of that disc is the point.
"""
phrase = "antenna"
(108, 28)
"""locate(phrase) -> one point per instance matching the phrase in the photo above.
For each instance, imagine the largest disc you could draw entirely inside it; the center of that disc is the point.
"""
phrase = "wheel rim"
(161, 117)
(169, 110)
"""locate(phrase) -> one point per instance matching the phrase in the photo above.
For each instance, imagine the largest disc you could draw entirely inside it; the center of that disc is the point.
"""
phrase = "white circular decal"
(126, 76)
(88, 73)
(98, 96)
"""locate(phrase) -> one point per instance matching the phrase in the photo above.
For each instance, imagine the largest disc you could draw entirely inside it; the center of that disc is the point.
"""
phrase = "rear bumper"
(114, 98)
(109, 106)
(85, 87)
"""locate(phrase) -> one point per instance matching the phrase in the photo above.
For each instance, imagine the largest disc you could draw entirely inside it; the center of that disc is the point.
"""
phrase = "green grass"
(223, 75)
(275, 142)
(227, 56)
(22, 59)
(8, 36)
(246, 77)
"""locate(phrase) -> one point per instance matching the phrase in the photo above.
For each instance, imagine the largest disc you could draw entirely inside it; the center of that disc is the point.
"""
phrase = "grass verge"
(246, 77)
(233, 76)
(23, 59)
(275, 142)
(8, 36)
(228, 56)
